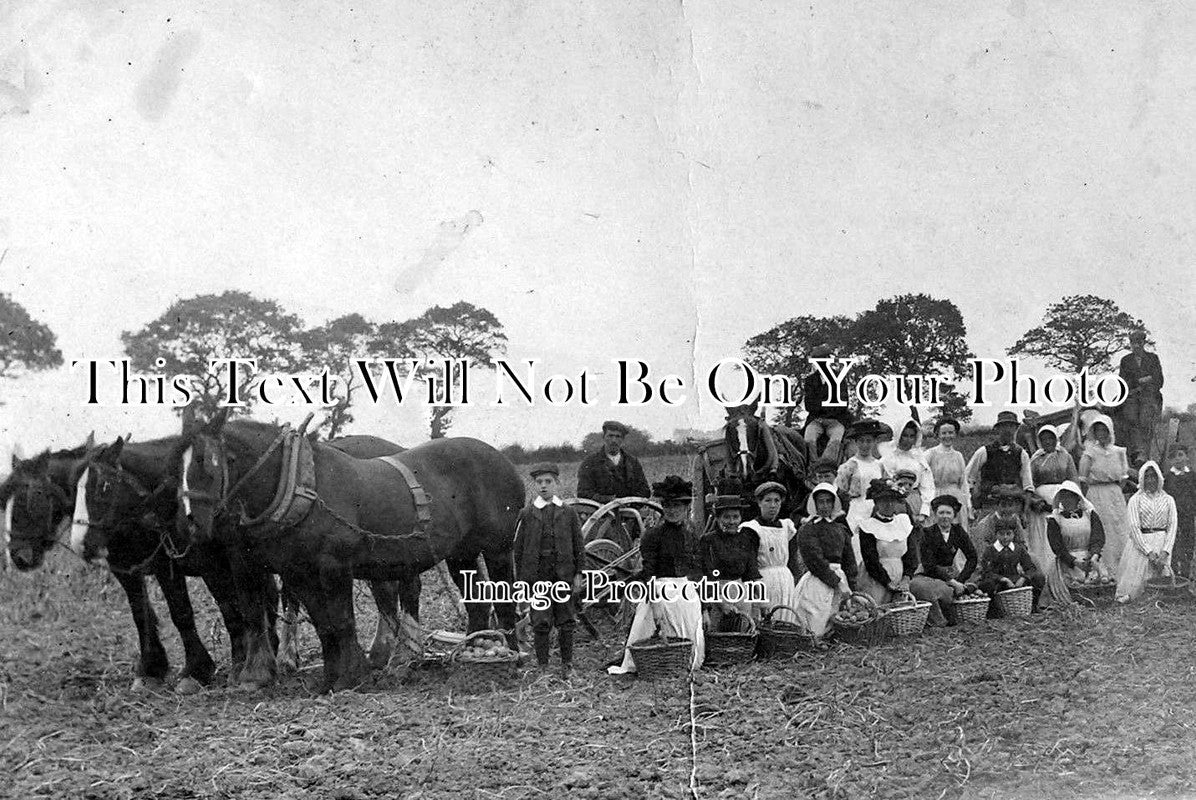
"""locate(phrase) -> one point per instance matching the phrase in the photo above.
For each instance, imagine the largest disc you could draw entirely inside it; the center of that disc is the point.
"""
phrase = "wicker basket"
(862, 634)
(1094, 593)
(667, 657)
(972, 610)
(1015, 602)
(736, 647)
(1174, 587)
(473, 675)
(907, 616)
(782, 639)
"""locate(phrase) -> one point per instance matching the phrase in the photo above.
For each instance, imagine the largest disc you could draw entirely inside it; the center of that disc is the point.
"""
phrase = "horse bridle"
(47, 537)
(220, 498)
(117, 515)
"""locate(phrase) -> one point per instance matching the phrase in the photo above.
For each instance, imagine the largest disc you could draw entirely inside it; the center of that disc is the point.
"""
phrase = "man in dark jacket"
(612, 471)
(820, 418)
(548, 547)
(1143, 374)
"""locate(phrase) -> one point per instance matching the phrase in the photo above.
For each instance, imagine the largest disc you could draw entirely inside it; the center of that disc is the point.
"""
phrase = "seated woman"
(670, 558)
(1151, 534)
(938, 581)
(1076, 535)
(778, 559)
(1006, 564)
(889, 557)
(825, 544)
(729, 555)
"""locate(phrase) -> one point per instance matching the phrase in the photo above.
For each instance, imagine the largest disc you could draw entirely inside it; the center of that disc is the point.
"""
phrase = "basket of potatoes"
(483, 661)
(860, 621)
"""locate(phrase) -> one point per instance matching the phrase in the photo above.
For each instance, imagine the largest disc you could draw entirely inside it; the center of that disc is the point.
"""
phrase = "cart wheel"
(601, 552)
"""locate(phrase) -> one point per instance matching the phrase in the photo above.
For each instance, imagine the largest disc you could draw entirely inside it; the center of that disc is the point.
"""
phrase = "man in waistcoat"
(999, 463)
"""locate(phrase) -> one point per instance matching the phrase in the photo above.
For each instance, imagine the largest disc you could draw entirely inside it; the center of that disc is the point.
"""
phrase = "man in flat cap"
(1143, 374)
(611, 472)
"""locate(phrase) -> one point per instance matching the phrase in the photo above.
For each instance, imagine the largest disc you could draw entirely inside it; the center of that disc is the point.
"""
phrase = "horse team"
(235, 502)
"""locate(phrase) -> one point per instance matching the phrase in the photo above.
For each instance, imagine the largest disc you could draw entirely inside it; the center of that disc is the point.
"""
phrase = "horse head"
(34, 506)
(743, 435)
(203, 475)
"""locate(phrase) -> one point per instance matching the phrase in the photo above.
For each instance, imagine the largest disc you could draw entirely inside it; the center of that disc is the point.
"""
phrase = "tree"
(1081, 331)
(785, 348)
(636, 440)
(469, 335)
(27, 344)
(230, 325)
(335, 345)
(915, 334)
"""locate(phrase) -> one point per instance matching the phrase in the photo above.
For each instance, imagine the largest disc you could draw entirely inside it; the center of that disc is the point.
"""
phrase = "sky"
(611, 179)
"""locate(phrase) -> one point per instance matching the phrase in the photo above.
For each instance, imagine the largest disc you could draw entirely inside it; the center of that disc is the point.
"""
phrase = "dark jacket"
(823, 543)
(1096, 539)
(560, 522)
(670, 551)
(938, 556)
(1130, 372)
(1006, 563)
(735, 556)
(816, 392)
(600, 480)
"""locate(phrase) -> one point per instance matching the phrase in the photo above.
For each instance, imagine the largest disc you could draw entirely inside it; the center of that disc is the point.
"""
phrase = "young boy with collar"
(548, 547)
(1006, 564)
(1180, 483)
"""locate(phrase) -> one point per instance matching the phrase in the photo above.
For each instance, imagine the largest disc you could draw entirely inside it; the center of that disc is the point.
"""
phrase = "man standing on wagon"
(1143, 374)
(611, 472)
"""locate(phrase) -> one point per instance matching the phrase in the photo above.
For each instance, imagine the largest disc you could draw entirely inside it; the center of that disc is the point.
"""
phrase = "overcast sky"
(652, 180)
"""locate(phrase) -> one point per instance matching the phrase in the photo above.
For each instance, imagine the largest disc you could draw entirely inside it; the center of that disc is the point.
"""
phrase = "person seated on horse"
(548, 547)
(822, 419)
(938, 581)
(1006, 564)
(670, 556)
(730, 554)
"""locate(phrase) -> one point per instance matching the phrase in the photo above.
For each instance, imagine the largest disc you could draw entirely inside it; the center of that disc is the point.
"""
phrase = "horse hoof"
(143, 685)
(188, 686)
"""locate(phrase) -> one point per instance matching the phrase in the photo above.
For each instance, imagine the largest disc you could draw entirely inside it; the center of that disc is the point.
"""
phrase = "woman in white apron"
(1050, 466)
(1103, 469)
(1076, 536)
(778, 559)
(889, 557)
(1152, 527)
(825, 545)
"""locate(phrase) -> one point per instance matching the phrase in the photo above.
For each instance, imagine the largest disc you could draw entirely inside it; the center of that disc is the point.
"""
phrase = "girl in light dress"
(1151, 528)
(1103, 470)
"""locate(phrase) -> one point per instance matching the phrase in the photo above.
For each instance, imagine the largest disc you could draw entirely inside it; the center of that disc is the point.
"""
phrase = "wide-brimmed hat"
(545, 468)
(946, 500)
(1006, 418)
(882, 489)
(614, 425)
(729, 502)
(905, 472)
(1008, 491)
(673, 487)
(771, 486)
(869, 427)
(938, 425)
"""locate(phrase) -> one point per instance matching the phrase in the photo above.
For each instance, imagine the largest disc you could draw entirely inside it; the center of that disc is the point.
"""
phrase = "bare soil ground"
(1093, 703)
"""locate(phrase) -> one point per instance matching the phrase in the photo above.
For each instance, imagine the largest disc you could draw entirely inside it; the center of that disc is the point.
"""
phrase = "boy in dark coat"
(548, 547)
(1006, 564)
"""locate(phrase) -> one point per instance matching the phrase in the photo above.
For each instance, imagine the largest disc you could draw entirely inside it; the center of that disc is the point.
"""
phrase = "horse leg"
(198, 666)
(250, 582)
(502, 569)
(219, 583)
(386, 596)
(478, 613)
(288, 638)
(329, 603)
(152, 664)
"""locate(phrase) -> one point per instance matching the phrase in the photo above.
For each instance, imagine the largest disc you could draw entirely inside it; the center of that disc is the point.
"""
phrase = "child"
(548, 547)
(1180, 483)
(1006, 564)
(1151, 534)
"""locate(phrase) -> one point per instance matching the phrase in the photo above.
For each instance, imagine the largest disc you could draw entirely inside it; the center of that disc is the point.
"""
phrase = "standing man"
(1004, 462)
(611, 472)
(820, 418)
(1143, 374)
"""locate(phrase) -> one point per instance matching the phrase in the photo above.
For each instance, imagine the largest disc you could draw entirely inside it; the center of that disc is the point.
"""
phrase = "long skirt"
(816, 602)
(869, 586)
(778, 582)
(1055, 592)
(681, 617)
(1110, 505)
(1134, 567)
(1076, 574)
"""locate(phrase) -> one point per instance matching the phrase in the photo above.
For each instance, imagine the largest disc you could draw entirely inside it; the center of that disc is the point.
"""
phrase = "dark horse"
(40, 495)
(127, 513)
(364, 522)
(758, 452)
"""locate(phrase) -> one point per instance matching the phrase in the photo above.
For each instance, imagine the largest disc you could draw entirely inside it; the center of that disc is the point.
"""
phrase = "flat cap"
(545, 468)
(614, 425)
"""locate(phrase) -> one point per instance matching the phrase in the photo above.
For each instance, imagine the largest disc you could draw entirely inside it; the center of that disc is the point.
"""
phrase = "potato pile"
(486, 648)
(1093, 579)
(855, 611)
(972, 593)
